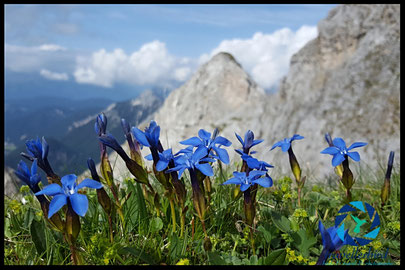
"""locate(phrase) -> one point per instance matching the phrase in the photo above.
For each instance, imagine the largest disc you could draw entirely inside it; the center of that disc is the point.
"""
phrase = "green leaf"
(254, 260)
(138, 253)
(175, 247)
(266, 233)
(29, 216)
(215, 259)
(38, 236)
(276, 257)
(156, 224)
(303, 242)
(7, 232)
(280, 221)
(141, 202)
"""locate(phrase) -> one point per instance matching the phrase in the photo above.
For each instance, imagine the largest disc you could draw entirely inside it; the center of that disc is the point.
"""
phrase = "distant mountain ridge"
(73, 140)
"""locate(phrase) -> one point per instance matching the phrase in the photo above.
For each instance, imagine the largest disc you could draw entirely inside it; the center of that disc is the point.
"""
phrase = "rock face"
(345, 82)
(11, 183)
(220, 94)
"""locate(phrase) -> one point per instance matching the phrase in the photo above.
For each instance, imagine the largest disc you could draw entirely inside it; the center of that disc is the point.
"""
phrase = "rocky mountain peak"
(219, 91)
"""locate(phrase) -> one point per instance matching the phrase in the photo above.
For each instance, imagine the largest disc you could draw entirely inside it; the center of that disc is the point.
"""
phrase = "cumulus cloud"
(266, 56)
(151, 64)
(53, 75)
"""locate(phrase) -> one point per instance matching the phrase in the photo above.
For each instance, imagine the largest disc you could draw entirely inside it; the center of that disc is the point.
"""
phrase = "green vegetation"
(284, 233)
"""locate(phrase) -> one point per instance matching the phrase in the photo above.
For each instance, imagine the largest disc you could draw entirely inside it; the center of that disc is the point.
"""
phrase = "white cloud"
(151, 64)
(53, 75)
(266, 57)
(51, 48)
(34, 58)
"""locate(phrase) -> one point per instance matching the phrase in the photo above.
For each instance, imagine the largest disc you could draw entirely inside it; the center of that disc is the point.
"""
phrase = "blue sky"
(147, 45)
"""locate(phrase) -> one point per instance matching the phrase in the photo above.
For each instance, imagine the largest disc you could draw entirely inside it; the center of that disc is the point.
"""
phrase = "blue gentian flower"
(254, 163)
(37, 150)
(68, 191)
(214, 143)
(339, 151)
(331, 241)
(248, 143)
(191, 162)
(285, 144)
(29, 178)
(101, 124)
(149, 137)
(164, 159)
(111, 142)
(245, 182)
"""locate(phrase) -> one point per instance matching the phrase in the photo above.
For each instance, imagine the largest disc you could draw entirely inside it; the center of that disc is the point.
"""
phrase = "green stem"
(111, 229)
(173, 214)
(252, 241)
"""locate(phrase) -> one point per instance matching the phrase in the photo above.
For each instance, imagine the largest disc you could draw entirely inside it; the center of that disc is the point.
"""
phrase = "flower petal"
(205, 169)
(35, 179)
(356, 144)
(45, 148)
(256, 142)
(239, 151)
(194, 141)
(337, 159)
(181, 171)
(161, 165)
(155, 136)
(199, 153)
(23, 172)
(244, 187)
(249, 136)
(51, 190)
(252, 163)
(90, 184)
(285, 146)
(149, 157)
(354, 155)
(140, 136)
(57, 203)
(340, 143)
(80, 203)
(239, 138)
(264, 181)
(333, 150)
(277, 144)
(233, 180)
(222, 141)
(34, 167)
(239, 174)
(205, 135)
(68, 180)
(222, 154)
(296, 137)
(253, 174)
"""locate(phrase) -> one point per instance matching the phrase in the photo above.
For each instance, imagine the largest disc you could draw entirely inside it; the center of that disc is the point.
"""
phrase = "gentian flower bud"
(32, 179)
(133, 167)
(102, 195)
(134, 145)
(39, 151)
(386, 188)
